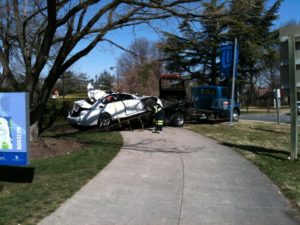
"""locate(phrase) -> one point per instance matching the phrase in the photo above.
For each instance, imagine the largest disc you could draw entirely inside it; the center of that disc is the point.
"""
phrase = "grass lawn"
(56, 179)
(266, 145)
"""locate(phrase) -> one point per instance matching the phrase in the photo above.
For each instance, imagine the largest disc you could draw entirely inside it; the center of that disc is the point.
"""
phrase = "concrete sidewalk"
(173, 178)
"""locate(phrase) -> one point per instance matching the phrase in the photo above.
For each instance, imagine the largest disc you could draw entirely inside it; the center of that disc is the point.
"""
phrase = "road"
(176, 178)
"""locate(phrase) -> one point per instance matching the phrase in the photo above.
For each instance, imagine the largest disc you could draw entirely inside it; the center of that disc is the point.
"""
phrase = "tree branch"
(47, 39)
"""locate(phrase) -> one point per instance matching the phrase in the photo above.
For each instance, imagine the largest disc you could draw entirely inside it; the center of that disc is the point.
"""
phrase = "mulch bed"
(46, 147)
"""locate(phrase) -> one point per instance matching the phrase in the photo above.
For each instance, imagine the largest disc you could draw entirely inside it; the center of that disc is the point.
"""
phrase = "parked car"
(110, 108)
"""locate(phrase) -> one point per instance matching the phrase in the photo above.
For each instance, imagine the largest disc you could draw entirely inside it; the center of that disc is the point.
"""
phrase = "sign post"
(14, 129)
(233, 81)
(229, 60)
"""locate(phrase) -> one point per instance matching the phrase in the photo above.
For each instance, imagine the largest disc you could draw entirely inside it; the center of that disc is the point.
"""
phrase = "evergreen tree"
(197, 49)
(105, 81)
(251, 23)
(195, 52)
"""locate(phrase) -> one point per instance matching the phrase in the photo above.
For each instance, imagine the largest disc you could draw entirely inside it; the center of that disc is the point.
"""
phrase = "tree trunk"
(34, 131)
(252, 93)
(35, 119)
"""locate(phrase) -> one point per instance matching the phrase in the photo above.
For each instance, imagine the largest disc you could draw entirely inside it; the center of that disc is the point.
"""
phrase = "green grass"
(266, 145)
(57, 179)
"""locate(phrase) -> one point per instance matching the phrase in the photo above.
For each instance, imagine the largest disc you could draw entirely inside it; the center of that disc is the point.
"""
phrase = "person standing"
(159, 117)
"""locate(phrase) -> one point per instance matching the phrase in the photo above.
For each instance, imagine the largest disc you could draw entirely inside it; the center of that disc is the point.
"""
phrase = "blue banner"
(14, 129)
(226, 61)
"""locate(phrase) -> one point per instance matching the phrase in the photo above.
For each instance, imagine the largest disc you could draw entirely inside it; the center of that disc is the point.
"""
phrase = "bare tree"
(140, 68)
(43, 36)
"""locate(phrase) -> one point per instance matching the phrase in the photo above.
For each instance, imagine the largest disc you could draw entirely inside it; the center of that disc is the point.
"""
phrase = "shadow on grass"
(16, 174)
(270, 130)
(133, 125)
(276, 154)
(207, 121)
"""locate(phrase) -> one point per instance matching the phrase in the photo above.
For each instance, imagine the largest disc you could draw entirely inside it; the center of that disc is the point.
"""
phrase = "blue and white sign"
(226, 63)
(14, 129)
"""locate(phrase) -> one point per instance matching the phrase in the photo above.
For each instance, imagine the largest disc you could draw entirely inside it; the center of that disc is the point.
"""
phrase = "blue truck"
(194, 103)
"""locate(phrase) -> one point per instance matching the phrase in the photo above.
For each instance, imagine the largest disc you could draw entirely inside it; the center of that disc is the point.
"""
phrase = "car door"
(115, 107)
(132, 105)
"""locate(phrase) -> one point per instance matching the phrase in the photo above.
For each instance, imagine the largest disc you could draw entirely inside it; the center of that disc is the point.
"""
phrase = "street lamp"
(117, 71)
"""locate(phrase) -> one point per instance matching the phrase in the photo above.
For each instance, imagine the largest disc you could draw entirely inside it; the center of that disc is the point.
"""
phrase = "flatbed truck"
(202, 102)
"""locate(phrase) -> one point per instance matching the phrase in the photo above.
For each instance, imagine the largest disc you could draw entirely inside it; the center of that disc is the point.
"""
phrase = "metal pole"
(233, 82)
(277, 106)
(293, 97)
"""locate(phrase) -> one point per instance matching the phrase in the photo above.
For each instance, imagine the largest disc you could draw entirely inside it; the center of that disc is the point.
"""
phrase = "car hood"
(83, 104)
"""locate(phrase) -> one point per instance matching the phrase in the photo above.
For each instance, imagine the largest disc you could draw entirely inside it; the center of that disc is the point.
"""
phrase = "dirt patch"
(46, 147)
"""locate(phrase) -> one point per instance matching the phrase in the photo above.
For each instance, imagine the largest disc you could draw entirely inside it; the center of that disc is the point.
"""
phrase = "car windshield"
(108, 99)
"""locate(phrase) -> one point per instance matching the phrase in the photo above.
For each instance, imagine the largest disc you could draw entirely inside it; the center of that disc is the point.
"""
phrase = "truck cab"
(214, 102)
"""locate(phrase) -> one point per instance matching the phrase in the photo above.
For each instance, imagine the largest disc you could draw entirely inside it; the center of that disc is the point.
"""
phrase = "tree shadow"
(276, 154)
(270, 131)
(16, 174)
(217, 121)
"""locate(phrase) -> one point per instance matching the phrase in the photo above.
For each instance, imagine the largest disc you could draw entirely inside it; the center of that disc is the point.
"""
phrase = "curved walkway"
(176, 178)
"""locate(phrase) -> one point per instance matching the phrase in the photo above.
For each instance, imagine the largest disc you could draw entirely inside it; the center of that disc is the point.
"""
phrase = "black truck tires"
(177, 119)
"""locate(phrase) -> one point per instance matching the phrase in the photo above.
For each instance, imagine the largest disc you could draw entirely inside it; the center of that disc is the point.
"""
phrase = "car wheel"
(235, 115)
(177, 119)
(149, 104)
(104, 120)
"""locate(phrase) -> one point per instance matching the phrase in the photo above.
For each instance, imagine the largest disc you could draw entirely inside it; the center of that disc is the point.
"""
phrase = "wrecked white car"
(111, 107)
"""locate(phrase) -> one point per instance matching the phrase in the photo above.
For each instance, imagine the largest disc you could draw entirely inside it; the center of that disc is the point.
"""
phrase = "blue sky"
(290, 9)
(105, 56)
